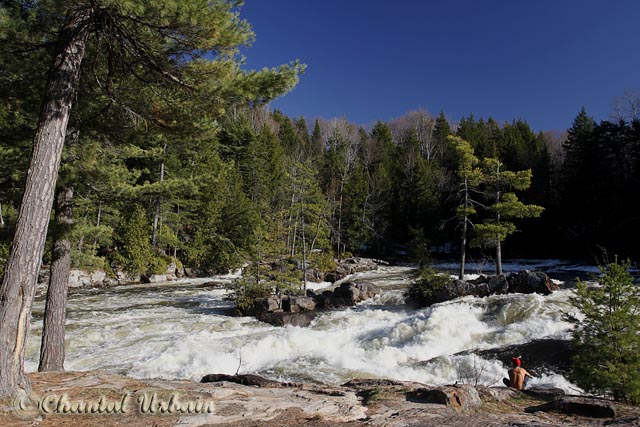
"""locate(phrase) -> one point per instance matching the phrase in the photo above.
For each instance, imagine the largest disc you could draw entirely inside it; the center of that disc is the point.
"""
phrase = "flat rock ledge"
(251, 401)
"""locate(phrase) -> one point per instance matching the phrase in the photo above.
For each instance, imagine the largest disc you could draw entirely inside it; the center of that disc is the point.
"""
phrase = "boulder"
(529, 282)
(582, 406)
(463, 397)
(271, 304)
(125, 278)
(298, 303)
(109, 281)
(481, 287)
(353, 293)
(172, 272)
(81, 279)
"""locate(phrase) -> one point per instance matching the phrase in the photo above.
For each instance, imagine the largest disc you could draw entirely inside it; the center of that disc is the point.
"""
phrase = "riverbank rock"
(125, 278)
(460, 397)
(155, 278)
(530, 282)
(88, 279)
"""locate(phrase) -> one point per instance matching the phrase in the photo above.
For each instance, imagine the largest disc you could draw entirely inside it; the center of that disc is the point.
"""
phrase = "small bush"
(246, 292)
(427, 282)
(279, 278)
(323, 262)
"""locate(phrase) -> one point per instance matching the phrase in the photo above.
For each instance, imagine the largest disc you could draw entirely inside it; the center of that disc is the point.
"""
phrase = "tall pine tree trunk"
(498, 242)
(52, 347)
(463, 243)
(18, 286)
(499, 258)
(157, 219)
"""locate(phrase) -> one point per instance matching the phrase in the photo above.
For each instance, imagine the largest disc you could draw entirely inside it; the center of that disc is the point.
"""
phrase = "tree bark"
(52, 346)
(18, 286)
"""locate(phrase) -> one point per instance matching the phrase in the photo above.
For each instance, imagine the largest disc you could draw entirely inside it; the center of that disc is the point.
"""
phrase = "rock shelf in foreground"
(267, 403)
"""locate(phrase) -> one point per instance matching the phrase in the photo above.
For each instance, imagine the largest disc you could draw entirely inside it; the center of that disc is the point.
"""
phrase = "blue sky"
(372, 60)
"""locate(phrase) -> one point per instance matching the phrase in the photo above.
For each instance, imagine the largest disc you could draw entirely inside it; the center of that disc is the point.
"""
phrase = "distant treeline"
(262, 185)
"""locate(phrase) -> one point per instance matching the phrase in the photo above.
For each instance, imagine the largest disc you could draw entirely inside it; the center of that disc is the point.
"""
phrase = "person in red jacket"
(518, 376)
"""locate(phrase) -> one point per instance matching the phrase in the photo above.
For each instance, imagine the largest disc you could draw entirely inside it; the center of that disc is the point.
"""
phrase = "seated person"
(518, 376)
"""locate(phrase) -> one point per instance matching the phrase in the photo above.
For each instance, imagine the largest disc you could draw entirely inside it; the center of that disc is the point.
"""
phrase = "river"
(183, 330)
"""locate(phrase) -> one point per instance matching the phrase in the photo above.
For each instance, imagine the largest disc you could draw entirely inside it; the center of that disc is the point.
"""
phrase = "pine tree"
(136, 255)
(316, 144)
(441, 131)
(607, 335)
(469, 177)
(499, 185)
(163, 42)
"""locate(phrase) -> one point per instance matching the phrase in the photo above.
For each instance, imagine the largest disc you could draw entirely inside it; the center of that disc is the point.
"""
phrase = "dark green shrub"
(607, 338)
(426, 282)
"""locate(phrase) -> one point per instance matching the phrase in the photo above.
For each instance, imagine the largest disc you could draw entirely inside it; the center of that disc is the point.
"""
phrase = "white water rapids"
(182, 330)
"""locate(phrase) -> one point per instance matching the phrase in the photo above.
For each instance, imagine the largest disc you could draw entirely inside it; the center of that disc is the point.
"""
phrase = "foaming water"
(186, 331)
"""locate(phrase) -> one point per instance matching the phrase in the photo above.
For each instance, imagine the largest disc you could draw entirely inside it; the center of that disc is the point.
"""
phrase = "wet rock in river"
(297, 310)
(530, 282)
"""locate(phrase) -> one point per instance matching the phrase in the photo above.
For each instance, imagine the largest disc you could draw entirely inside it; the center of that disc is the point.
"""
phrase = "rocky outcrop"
(283, 310)
(531, 282)
(525, 282)
(98, 278)
(582, 406)
(481, 287)
(350, 266)
(249, 401)
(543, 355)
